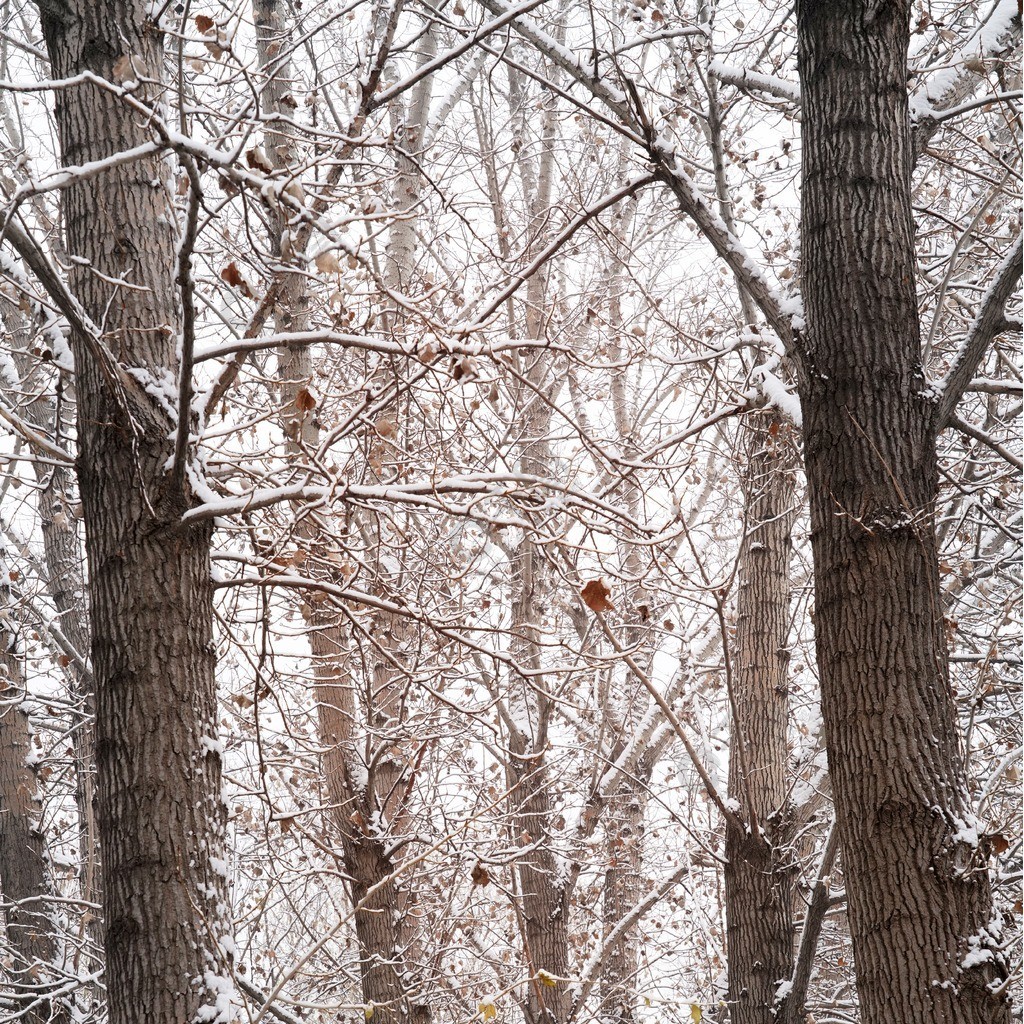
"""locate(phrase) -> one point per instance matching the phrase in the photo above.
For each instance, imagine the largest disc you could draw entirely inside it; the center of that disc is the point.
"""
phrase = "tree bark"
(161, 817)
(545, 897)
(758, 875)
(919, 896)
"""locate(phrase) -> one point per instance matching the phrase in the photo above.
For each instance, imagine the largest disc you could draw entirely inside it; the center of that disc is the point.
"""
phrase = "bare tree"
(915, 868)
(168, 932)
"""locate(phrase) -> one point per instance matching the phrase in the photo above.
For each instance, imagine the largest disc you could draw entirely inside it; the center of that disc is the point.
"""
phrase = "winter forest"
(510, 511)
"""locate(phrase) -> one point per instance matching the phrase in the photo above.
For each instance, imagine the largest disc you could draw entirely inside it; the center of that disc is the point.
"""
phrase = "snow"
(220, 1009)
(998, 25)
(777, 393)
(942, 85)
(977, 955)
(743, 77)
(793, 307)
(212, 744)
(968, 832)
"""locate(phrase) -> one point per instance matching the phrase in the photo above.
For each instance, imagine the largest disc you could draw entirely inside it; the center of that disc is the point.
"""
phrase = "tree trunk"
(357, 795)
(758, 875)
(161, 817)
(625, 825)
(544, 894)
(64, 558)
(919, 897)
(23, 880)
(624, 888)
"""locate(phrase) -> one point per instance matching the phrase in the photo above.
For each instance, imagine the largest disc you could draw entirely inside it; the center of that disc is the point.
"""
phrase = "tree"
(161, 819)
(759, 875)
(479, 327)
(23, 877)
(916, 869)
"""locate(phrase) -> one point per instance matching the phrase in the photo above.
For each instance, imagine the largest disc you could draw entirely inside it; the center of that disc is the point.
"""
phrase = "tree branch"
(990, 442)
(986, 326)
(791, 1005)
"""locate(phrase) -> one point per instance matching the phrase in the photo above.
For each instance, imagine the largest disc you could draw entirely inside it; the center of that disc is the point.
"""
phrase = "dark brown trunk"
(161, 818)
(919, 897)
(758, 875)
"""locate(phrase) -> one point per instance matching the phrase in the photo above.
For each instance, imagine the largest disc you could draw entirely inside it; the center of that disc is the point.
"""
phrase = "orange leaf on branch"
(595, 596)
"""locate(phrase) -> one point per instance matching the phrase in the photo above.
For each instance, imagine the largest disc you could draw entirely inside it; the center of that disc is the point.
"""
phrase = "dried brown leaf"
(595, 596)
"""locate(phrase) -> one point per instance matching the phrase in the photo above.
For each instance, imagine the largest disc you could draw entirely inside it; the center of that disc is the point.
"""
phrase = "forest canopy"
(510, 511)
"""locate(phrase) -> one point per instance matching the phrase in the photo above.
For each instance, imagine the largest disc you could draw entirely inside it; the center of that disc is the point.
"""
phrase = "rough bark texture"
(919, 897)
(161, 819)
(758, 875)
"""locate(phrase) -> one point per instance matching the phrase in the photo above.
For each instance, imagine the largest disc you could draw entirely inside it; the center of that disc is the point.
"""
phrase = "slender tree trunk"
(543, 889)
(758, 877)
(759, 906)
(624, 885)
(23, 878)
(623, 889)
(64, 557)
(161, 818)
(357, 795)
(919, 897)
(544, 894)
(63, 554)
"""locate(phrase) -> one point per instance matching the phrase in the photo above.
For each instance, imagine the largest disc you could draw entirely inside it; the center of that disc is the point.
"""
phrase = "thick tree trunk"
(919, 897)
(758, 874)
(161, 818)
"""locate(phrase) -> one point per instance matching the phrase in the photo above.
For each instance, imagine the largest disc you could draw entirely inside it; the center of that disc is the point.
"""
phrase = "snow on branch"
(668, 168)
(755, 81)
